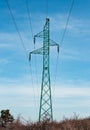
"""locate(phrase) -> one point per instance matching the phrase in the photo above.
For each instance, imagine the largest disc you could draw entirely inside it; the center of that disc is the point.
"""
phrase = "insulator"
(58, 49)
(29, 57)
(34, 40)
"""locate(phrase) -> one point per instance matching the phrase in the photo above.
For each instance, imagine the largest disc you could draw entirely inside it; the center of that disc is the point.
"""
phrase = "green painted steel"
(45, 110)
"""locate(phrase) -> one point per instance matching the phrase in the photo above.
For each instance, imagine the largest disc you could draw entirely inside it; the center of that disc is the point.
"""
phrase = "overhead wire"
(62, 39)
(14, 21)
(20, 37)
(31, 28)
(29, 17)
(67, 21)
(63, 36)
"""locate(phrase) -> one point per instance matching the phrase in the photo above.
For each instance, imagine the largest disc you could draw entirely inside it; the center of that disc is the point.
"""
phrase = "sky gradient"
(20, 81)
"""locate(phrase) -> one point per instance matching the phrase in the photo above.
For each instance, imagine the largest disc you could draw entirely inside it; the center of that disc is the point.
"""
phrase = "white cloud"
(16, 87)
(71, 92)
(71, 89)
(75, 25)
(69, 54)
(5, 45)
(20, 93)
(12, 41)
(4, 36)
(4, 61)
(75, 53)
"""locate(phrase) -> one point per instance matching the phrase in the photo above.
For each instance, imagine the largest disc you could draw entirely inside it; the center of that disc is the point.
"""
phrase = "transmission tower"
(45, 110)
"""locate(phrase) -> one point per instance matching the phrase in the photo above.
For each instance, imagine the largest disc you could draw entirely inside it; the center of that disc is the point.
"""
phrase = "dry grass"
(66, 124)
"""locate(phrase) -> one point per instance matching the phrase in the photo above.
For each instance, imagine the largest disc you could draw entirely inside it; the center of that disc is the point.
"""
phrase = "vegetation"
(66, 124)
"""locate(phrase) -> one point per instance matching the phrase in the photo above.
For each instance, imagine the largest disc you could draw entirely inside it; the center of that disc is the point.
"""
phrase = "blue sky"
(70, 79)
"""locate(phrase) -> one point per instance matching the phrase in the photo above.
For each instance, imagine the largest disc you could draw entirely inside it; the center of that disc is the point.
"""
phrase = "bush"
(66, 124)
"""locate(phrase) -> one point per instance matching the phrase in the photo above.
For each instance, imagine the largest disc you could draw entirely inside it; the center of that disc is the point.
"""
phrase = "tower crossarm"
(53, 43)
(40, 35)
(40, 50)
(37, 51)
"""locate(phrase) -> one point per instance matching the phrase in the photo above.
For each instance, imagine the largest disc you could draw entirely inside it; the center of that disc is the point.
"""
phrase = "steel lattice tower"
(45, 111)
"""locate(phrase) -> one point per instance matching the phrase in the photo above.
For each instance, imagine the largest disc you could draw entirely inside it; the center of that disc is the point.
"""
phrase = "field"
(66, 124)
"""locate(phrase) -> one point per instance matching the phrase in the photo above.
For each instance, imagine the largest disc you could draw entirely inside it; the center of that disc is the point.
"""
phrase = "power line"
(67, 21)
(33, 86)
(14, 21)
(30, 23)
(29, 17)
(71, 7)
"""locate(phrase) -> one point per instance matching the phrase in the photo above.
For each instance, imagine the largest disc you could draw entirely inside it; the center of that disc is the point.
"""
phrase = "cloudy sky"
(20, 80)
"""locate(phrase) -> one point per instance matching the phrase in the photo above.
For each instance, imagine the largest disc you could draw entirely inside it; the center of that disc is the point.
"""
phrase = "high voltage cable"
(67, 23)
(14, 21)
(29, 17)
(71, 7)
(33, 85)
(30, 23)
